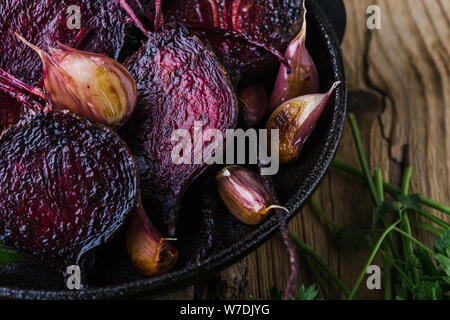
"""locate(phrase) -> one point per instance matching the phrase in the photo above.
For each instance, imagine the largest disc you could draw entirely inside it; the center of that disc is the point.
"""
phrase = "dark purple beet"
(10, 111)
(67, 185)
(273, 22)
(43, 22)
(179, 81)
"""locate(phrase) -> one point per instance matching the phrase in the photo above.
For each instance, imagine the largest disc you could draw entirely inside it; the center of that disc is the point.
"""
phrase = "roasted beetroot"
(273, 22)
(67, 185)
(179, 82)
(43, 22)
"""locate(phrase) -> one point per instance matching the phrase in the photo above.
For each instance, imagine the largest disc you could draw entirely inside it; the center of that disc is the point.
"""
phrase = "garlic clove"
(254, 102)
(296, 119)
(89, 84)
(303, 79)
(149, 252)
(244, 195)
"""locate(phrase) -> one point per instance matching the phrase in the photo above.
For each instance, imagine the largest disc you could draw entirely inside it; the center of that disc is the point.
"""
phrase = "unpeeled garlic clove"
(295, 119)
(149, 252)
(244, 194)
(303, 79)
(254, 102)
(89, 84)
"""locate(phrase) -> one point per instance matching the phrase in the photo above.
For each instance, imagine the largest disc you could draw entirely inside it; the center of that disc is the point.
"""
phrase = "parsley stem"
(387, 265)
(317, 209)
(435, 205)
(387, 271)
(362, 157)
(379, 184)
(395, 191)
(406, 180)
(409, 237)
(378, 177)
(432, 218)
(371, 257)
(376, 189)
(307, 249)
(407, 242)
(388, 187)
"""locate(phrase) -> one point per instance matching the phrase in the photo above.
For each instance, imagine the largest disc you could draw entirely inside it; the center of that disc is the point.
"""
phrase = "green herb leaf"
(444, 264)
(426, 265)
(307, 294)
(7, 255)
(442, 243)
(410, 202)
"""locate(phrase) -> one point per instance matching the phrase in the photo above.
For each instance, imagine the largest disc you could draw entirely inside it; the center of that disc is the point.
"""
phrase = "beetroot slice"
(67, 185)
(179, 82)
(43, 22)
(274, 22)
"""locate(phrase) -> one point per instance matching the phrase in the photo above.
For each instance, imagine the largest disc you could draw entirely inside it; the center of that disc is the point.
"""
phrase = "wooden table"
(399, 88)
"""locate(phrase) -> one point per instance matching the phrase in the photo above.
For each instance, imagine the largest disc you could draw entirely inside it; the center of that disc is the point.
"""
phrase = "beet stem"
(159, 18)
(215, 12)
(81, 36)
(145, 12)
(293, 256)
(235, 14)
(284, 230)
(10, 79)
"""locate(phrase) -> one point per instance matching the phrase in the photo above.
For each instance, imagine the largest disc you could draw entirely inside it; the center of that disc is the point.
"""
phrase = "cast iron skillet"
(114, 277)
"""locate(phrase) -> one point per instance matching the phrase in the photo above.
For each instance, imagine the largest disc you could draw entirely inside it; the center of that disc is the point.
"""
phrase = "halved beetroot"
(67, 185)
(179, 82)
(273, 22)
(43, 22)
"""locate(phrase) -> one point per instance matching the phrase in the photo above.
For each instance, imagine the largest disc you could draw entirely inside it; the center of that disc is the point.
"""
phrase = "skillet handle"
(334, 10)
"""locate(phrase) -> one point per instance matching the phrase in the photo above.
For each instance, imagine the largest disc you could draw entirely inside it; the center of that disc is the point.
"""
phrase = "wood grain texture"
(399, 89)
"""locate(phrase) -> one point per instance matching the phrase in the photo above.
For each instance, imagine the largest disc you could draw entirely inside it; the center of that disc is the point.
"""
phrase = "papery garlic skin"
(296, 119)
(303, 79)
(149, 252)
(244, 194)
(254, 102)
(89, 84)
